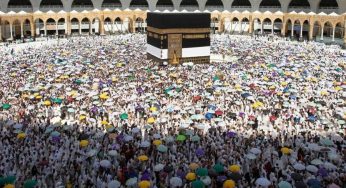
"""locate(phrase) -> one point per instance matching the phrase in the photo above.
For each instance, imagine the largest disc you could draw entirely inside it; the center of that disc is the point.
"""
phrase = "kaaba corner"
(178, 37)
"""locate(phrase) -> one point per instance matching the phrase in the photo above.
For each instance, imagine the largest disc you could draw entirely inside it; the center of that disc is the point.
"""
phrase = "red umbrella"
(218, 112)
(197, 98)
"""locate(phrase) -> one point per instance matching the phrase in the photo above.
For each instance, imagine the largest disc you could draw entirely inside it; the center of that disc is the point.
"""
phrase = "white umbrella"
(299, 166)
(314, 147)
(329, 166)
(105, 164)
(333, 156)
(176, 182)
(251, 156)
(316, 162)
(112, 153)
(255, 151)
(311, 168)
(92, 153)
(114, 184)
(263, 182)
(135, 130)
(158, 167)
(128, 138)
(145, 144)
(18, 126)
(206, 180)
(131, 182)
(157, 136)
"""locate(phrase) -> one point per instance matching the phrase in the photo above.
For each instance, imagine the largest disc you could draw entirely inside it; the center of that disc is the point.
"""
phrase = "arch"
(329, 4)
(214, 4)
(111, 4)
(82, 3)
(75, 26)
(164, 3)
(6, 27)
(139, 3)
(317, 30)
(85, 25)
(241, 3)
(245, 20)
(339, 30)
(327, 29)
(235, 19)
(21, 3)
(214, 24)
(118, 19)
(27, 28)
(96, 26)
(190, 3)
(108, 20)
(61, 26)
(39, 25)
(51, 3)
(51, 27)
(277, 26)
(270, 3)
(50, 20)
(267, 20)
(16, 29)
(257, 26)
(139, 25)
(299, 4)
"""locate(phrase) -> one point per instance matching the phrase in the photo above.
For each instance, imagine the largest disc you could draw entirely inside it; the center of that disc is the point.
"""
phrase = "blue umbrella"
(245, 95)
(314, 183)
(208, 116)
(199, 152)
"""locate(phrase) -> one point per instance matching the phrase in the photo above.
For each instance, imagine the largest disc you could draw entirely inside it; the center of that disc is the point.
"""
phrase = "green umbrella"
(55, 133)
(162, 148)
(78, 82)
(271, 65)
(57, 100)
(284, 184)
(341, 122)
(326, 142)
(30, 183)
(202, 172)
(2, 181)
(197, 184)
(218, 168)
(6, 106)
(124, 116)
(10, 179)
(181, 137)
(216, 78)
(195, 138)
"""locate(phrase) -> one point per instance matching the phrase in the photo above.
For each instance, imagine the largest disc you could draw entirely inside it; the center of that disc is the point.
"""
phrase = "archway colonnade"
(300, 25)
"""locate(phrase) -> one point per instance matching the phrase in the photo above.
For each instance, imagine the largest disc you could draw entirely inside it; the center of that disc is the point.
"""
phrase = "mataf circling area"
(93, 112)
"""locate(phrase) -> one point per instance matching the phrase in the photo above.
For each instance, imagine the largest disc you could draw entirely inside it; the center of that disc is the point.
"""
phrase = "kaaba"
(178, 37)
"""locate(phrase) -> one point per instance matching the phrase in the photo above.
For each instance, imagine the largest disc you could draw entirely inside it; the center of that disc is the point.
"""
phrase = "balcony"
(212, 8)
(111, 6)
(80, 8)
(18, 8)
(241, 8)
(141, 7)
(270, 8)
(55, 8)
(164, 7)
(329, 10)
(189, 8)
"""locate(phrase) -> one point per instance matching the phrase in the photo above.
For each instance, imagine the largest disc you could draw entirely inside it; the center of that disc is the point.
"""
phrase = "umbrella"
(9, 180)
(199, 152)
(316, 162)
(218, 168)
(124, 116)
(234, 168)
(55, 133)
(284, 184)
(181, 137)
(6, 106)
(144, 184)
(329, 166)
(9, 186)
(312, 168)
(296, 177)
(202, 171)
(143, 158)
(18, 126)
(197, 184)
(105, 163)
(162, 148)
(175, 182)
(255, 151)
(114, 184)
(263, 182)
(299, 166)
(195, 138)
(84, 143)
(251, 156)
(193, 166)
(131, 182)
(229, 184)
(231, 134)
(157, 142)
(151, 120)
(190, 176)
(112, 153)
(21, 135)
(314, 183)
(145, 144)
(326, 142)
(30, 183)
(285, 150)
(158, 167)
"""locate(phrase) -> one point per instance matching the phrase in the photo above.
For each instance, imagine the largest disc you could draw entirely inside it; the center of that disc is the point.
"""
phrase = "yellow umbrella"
(190, 176)
(153, 109)
(38, 97)
(157, 142)
(151, 120)
(47, 103)
(9, 186)
(237, 86)
(284, 83)
(114, 79)
(36, 94)
(104, 122)
(104, 96)
(179, 81)
(234, 168)
(143, 158)
(314, 79)
(338, 88)
(272, 87)
(285, 150)
(144, 184)
(82, 117)
(193, 166)
(279, 93)
(21, 135)
(84, 143)
(324, 93)
(108, 126)
(229, 184)
(25, 96)
(119, 65)
(266, 79)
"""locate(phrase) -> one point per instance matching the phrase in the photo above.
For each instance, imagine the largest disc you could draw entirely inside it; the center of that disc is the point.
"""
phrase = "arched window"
(111, 4)
(189, 3)
(82, 3)
(270, 3)
(299, 3)
(328, 4)
(241, 3)
(51, 3)
(139, 3)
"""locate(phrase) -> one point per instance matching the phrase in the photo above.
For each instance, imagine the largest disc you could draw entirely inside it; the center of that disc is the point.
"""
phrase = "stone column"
(0, 31)
(240, 27)
(311, 31)
(262, 28)
(273, 28)
(333, 36)
(32, 29)
(68, 25)
(301, 30)
(11, 31)
(322, 30)
(56, 28)
(101, 27)
(22, 30)
(292, 29)
(80, 27)
(251, 26)
(221, 26)
(90, 28)
(283, 29)
(45, 28)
